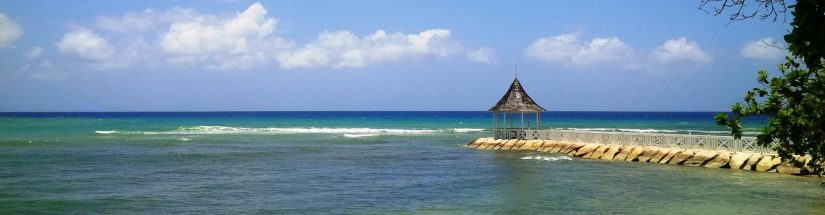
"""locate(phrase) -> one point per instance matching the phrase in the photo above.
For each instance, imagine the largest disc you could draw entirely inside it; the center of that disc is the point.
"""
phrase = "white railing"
(683, 141)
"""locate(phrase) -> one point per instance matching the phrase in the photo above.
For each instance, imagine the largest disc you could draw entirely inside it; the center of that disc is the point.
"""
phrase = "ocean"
(359, 163)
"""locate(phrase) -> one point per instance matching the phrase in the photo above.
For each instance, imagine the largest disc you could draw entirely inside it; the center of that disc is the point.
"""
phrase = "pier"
(710, 151)
(682, 141)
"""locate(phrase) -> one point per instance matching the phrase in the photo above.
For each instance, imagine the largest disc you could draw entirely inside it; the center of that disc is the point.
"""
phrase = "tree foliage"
(794, 100)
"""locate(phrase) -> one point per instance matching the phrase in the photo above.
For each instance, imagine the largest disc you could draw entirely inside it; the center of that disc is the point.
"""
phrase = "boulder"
(623, 152)
(528, 144)
(788, 168)
(574, 147)
(737, 161)
(700, 158)
(767, 163)
(752, 160)
(586, 149)
(721, 160)
(548, 145)
(516, 145)
(661, 154)
(596, 154)
(610, 153)
(634, 153)
(647, 154)
(670, 155)
(559, 147)
(507, 145)
(681, 157)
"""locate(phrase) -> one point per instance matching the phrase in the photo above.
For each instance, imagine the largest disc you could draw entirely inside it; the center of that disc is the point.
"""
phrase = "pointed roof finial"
(516, 71)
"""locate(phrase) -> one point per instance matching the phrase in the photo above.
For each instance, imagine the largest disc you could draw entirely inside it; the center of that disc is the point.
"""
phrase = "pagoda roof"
(516, 100)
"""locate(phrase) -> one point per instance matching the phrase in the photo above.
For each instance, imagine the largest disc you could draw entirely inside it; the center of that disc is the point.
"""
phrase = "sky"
(416, 55)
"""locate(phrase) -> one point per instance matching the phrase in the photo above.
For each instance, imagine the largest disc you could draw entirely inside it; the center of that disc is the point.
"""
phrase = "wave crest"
(348, 132)
(546, 158)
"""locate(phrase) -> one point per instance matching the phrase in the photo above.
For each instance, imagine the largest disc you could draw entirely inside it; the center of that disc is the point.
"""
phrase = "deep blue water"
(357, 162)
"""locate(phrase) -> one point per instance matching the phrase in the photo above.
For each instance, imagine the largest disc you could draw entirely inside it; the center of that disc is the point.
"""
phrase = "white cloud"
(86, 45)
(764, 49)
(244, 40)
(611, 52)
(680, 49)
(9, 31)
(34, 53)
(483, 55)
(240, 42)
(344, 49)
(567, 50)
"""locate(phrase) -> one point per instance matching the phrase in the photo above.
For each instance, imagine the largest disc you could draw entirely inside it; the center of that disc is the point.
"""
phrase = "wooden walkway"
(682, 141)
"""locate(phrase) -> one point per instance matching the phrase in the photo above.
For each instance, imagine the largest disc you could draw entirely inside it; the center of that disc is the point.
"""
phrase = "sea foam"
(348, 132)
(546, 158)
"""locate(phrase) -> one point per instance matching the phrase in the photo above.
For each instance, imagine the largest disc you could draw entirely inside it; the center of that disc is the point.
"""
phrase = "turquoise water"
(357, 162)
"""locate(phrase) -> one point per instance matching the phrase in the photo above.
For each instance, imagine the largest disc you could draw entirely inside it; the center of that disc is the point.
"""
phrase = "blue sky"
(376, 55)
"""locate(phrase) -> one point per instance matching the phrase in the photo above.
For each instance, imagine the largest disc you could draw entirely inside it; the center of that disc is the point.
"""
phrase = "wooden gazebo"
(516, 103)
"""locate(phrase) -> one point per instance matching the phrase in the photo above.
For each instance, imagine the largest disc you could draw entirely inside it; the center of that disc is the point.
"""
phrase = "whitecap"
(465, 130)
(105, 132)
(359, 135)
(546, 158)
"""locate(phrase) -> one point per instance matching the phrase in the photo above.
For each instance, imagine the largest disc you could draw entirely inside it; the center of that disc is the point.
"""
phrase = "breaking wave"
(347, 132)
(546, 158)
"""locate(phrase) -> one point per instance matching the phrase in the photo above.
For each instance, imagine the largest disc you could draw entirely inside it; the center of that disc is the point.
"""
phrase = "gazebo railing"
(684, 141)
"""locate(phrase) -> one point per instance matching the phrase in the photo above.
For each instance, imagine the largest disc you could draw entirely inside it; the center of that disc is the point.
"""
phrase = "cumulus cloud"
(344, 49)
(763, 49)
(680, 49)
(484, 55)
(240, 42)
(85, 44)
(244, 40)
(569, 51)
(10, 31)
(34, 53)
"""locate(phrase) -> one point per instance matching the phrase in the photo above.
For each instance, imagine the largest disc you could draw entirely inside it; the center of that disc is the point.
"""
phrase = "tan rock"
(539, 145)
(788, 168)
(623, 152)
(700, 158)
(560, 147)
(767, 163)
(528, 144)
(635, 153)
(752, 160)
(515, 145)
(493, 144)
(571, 153)
(507, 145)
(574, 147)
(737, 161)
(681, 157)
(661, 154)
(547, 146)
(647, 154)
(588, 148)
(721, 159)
(610, 153)
(596, 154)
(670, 155)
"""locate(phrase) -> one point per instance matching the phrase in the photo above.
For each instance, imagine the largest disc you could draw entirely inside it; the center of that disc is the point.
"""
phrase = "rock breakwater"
(686, 157)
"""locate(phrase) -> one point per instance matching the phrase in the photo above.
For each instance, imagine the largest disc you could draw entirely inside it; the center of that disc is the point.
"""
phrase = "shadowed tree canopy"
(794, 100)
